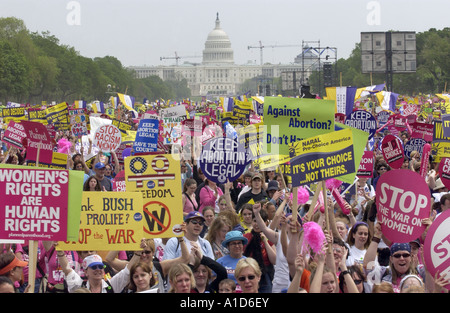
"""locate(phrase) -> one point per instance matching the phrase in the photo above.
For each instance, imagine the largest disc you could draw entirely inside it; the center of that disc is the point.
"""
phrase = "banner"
(58, 116)
(147, 136)
(34, 204)
(158, 178)
(223, 159)
(108, 219)
(292, 119)
(403, 200)
(322, 157)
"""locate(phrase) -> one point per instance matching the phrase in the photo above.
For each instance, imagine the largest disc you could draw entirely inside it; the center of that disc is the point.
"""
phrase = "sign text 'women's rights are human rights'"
(223, 159)
(292, 119)
(322, 157)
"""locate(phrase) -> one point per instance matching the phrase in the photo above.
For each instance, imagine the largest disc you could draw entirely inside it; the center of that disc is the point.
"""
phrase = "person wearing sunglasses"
(248, 275)
(400, 263)
(194, 222)
(159, 269)
(234, 242)
(95, 275)
(352, 280)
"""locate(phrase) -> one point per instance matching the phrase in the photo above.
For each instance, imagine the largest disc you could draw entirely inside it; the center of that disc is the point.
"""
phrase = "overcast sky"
(139, 32)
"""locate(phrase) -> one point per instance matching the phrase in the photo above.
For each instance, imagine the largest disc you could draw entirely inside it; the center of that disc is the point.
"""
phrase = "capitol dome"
(218, 47)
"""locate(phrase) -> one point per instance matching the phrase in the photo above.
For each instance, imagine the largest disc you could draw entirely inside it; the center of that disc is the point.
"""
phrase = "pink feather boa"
(64, 146)
(313, 237)
(302, 195)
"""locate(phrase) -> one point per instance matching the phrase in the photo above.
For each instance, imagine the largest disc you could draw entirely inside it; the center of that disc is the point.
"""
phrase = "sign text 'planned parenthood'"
(223, 159)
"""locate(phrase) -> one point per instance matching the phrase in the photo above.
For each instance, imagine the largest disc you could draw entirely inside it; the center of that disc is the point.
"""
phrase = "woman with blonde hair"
(181, 279)
(248, 274)
(216, 235)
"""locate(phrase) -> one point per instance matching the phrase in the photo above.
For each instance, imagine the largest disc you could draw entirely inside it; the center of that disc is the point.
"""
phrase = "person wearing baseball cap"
(11, 267)
(255, 194)
(105, 182)
(95, 275)
(194, 226)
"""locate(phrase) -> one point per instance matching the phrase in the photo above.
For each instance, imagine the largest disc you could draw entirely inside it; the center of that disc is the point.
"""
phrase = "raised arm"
(371, 252)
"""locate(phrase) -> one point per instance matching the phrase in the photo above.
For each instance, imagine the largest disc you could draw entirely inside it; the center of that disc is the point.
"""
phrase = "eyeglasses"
(236, 243)
(382, 169)
(147, 251)
(399, 255)
(249, 277)
(358, 281)
(195, 222)
(97, 267)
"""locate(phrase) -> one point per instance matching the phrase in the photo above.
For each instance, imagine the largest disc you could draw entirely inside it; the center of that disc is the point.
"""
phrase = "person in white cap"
(95, 274)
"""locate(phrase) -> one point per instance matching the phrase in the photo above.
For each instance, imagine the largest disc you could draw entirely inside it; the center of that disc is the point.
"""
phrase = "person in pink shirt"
(21, 252)
(188, 196)
(209, 195)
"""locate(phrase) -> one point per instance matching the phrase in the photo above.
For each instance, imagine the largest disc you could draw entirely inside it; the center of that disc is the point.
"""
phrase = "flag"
(80, 104)
(365, 91)
(98, 107)
(344, 96)
(128, 102)
(114, 101)
(387, 100)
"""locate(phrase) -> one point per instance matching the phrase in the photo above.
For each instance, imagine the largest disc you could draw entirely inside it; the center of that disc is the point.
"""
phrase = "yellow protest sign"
(108, 221)
(322, 157)
(158, 178)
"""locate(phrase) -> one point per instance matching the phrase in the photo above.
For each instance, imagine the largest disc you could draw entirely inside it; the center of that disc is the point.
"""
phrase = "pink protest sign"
(107, 138)
(14, 134)
(392, 150)
(436, 249)
(366, 165)
(444, 171)
(403, 200)
(34, 204)
(38, 139)
(119, 183)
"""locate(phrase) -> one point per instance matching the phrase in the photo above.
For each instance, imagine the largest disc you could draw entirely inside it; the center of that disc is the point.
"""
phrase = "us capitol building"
(217, 74)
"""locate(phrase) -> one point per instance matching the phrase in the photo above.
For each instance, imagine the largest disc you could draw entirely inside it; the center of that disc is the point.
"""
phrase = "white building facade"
(217, 75)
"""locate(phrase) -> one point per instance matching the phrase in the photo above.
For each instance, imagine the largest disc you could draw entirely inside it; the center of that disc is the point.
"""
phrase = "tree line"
(36, 66)
(432, 68)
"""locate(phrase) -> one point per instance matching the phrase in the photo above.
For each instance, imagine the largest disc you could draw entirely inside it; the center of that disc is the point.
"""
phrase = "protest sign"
(436, 249)
(158, 178)
(292, 119)
(172, 119)
(107, 138)
(119, 182)
(14, 134)
(58, 115)
(446, 124)
(223, 159)
(37, 115)
(392, 149)
(39, 142)
(147, 136)
(322, 157)
(34, 204)
(365, 169)
(16, 114)
(444, 171)
(403, 200)
(383, 117)
(363, 120)
(422, 130)
(108, 219)
(415, 144)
